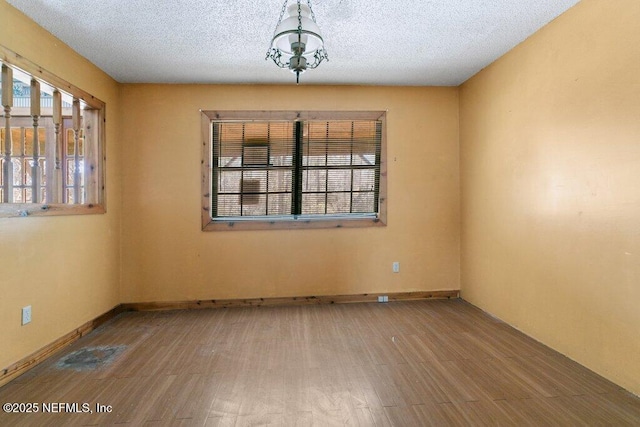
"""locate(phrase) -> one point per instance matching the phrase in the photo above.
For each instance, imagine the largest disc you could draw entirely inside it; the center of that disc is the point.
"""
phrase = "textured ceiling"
(385, 42)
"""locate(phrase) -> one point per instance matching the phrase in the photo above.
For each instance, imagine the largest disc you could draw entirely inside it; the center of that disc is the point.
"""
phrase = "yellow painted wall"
(550, 174)
(66, 268)
(167, 257)
(548, 163)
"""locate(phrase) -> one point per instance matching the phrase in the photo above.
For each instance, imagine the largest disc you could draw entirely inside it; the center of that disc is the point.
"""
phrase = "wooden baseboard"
(31, 361)
(308, 300)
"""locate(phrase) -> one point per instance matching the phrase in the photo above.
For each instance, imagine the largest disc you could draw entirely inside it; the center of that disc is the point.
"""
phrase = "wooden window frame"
(303, 222)
(94, 160)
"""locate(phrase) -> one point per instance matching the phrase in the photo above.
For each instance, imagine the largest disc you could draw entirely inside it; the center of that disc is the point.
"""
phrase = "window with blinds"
(253, 168)
(311, 169)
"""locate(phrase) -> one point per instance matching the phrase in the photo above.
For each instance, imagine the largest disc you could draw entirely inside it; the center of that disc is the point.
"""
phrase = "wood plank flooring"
(418, 363)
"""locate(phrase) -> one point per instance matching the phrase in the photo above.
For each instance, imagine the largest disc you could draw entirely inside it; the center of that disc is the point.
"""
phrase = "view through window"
(322, 171)
(50, 145)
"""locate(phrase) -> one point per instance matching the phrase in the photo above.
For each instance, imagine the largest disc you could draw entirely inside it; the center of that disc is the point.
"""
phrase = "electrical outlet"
(383, 298)
(396, 267)
(26, 315)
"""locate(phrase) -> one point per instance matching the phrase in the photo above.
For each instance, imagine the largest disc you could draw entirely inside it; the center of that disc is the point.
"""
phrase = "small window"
(293, 170)
(51, 145)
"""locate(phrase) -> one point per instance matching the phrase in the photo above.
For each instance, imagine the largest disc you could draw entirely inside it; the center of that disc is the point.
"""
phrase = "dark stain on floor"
(90, 358)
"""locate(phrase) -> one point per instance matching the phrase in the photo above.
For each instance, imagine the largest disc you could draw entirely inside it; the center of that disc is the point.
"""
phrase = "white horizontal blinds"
(253, 168)
(341, 166)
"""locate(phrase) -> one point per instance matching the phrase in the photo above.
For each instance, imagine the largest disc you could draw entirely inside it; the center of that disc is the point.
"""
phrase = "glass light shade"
(287, 31)
(297, 43)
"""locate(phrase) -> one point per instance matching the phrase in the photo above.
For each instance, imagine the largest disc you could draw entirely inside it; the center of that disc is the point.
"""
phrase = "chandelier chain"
(284, 9)
(313, 15)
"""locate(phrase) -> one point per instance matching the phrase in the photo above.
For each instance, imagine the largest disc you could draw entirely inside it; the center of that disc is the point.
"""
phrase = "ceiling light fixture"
(297, 43)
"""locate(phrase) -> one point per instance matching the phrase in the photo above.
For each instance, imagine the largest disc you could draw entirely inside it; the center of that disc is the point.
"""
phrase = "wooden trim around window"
(265, 223)
(95, 147)
(10, 57)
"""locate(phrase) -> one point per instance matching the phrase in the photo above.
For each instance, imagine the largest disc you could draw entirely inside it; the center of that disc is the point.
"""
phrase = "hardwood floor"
(419, 363)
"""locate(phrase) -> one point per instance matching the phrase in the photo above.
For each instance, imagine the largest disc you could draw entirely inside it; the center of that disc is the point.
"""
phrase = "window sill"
(48, 209)
(289, 222)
